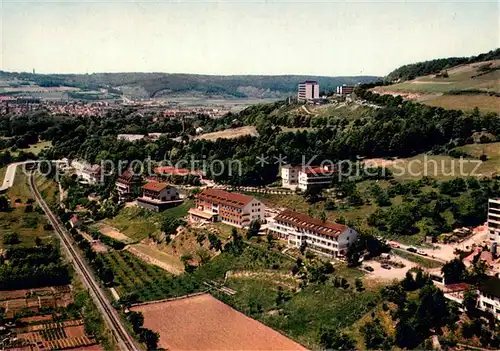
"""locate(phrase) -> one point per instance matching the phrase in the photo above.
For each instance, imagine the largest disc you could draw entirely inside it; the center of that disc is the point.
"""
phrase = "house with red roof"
(157, 196)
(324, 237)
(238, 210)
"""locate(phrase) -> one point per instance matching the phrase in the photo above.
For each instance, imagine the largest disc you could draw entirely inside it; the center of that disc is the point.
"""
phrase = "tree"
(253, 229)
(332, 339)
(136, 319)
(322, 216)
(215, 242)
(38, 241)
(375, 336)
(453, 271)
(149, 338)
(4, 203)
(359, 284)
(470, 300)
(11, 238)
(270, 241)
(312, 194)
(408, 283)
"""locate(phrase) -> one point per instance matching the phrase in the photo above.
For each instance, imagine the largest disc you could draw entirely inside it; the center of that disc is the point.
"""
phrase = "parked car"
(369, 268)
(386, 266)
(423, 253)
(412, 249)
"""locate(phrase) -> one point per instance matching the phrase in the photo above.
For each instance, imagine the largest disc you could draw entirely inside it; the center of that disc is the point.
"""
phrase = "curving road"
(111, 317)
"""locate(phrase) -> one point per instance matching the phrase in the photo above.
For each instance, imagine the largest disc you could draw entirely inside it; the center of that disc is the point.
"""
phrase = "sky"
(329, 38)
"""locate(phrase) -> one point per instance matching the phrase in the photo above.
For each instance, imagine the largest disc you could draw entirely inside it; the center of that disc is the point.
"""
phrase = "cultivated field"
(148, 281)
(205, 323)
(229, 133)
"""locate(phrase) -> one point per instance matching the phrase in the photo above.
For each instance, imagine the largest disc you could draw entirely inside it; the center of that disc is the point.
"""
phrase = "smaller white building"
(488, 294)
(327, 238)
(494, 223)
(320, 177)
(306, 177)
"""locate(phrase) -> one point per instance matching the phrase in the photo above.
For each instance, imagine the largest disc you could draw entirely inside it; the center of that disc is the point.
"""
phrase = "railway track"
(123, 338)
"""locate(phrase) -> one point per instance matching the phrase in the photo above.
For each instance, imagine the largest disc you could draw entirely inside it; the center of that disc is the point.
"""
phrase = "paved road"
(124, 340)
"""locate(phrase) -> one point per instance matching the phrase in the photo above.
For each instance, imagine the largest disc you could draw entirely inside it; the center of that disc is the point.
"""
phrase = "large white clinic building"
(308, 90)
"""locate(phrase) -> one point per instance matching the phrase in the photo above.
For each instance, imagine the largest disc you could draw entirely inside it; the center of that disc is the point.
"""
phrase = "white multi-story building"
(494, 223)
(306, 177)
(320, 177)
(488, 294)
(289, 176)
(238, 210)
(327, 238)
(308, 90)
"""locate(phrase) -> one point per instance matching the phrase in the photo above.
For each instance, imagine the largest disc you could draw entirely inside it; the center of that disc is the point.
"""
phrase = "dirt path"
(279, 278)
(156, 257)
(114, 233)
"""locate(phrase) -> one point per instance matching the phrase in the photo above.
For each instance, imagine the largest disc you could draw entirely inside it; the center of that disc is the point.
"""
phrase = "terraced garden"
(149, 282)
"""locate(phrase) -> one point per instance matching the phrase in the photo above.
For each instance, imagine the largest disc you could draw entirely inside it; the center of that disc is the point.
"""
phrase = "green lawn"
(28, 224)
(35, 148)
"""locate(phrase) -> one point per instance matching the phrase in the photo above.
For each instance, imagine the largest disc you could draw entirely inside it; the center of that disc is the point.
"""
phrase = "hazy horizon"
(240, 38)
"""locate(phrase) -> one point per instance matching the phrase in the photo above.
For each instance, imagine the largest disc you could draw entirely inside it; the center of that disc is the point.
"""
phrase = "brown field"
(204, 323)
(229, 133)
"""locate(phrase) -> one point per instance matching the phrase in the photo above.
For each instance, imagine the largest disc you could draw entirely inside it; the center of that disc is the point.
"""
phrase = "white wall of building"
(489, 303)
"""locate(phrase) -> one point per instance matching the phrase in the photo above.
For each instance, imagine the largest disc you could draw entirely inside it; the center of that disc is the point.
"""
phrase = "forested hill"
(413, 70)
(158, 84)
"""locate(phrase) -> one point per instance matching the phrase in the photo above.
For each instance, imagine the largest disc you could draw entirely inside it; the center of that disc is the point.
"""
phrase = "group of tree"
(31, 267)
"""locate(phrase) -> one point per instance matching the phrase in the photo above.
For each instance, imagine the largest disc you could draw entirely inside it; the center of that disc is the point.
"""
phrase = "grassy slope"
(137, 223)
(429, 89)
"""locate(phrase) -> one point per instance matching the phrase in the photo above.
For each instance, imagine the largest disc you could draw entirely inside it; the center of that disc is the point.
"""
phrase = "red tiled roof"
(303, 221)
(155, 186)
(317, 170)
(225, 197)
(172, 170)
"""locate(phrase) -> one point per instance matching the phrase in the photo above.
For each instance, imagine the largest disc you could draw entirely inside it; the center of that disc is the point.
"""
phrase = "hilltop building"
(308, 90)
(304, 178)
(327, 238)
(158, 196)
(238, 210)
(345, 89)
